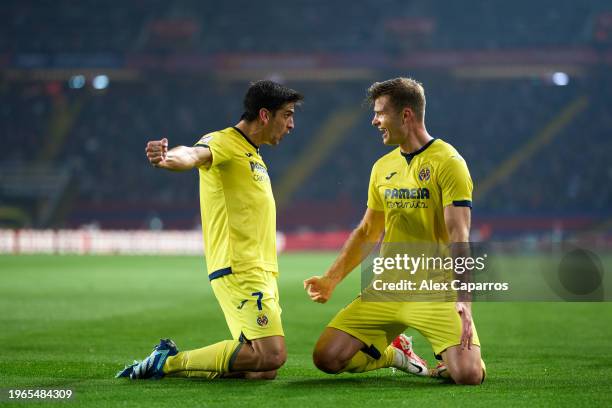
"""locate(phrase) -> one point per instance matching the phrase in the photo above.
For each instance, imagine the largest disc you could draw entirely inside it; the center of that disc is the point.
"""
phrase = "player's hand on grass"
(319, 288)
(157, 151)
(465, 312)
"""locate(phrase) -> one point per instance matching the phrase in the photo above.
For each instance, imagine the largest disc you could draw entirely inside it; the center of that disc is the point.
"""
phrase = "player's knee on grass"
(471, 374)
(260, 356)
(263, 375)
(334, 350)
(464, 366)
(271, 359)
(327, 361)
(270, 354)
(274, 361)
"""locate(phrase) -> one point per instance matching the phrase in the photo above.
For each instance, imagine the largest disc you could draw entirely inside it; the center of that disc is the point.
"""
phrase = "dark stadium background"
(521, 88)
(498, 76)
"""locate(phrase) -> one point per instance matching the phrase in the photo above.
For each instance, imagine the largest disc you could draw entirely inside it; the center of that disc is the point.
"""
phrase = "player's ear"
(407, 115)
(264, 115)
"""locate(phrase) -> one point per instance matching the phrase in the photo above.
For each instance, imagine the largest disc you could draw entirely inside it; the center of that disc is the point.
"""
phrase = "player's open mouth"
(384, 132)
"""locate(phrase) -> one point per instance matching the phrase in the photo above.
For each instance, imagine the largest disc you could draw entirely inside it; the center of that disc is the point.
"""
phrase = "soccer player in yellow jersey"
(420, 192)
(239, 229)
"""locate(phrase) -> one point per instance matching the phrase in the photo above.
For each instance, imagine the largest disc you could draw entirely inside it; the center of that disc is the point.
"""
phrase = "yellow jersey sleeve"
(219, 148)
(455, 183)
(374, 200)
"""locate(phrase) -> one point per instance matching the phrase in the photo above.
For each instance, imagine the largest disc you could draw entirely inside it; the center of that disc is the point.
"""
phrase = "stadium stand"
(92, 141)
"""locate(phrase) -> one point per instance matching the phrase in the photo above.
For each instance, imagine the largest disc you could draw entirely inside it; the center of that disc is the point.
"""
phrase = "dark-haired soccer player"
(369, 335)
(239, 227)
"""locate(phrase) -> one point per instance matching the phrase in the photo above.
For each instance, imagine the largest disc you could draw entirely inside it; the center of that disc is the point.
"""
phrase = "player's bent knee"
(326, 362)
(272, 361)
(271, 355)
(276, 361)
(263, 375)
(469, 376)
(269, 375)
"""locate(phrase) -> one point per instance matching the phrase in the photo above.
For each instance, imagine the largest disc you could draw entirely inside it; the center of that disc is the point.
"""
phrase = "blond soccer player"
(366, 336)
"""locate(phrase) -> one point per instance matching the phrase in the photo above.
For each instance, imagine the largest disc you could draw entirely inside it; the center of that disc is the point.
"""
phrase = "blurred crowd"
(66, 26)
(487, 121)
(98, 136)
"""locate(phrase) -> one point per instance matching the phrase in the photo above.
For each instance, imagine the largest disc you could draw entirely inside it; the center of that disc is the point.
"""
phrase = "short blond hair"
(403, 92)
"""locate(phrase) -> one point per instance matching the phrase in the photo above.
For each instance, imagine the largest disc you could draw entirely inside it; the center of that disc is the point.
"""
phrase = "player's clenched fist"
(156, 151)
(319, 288)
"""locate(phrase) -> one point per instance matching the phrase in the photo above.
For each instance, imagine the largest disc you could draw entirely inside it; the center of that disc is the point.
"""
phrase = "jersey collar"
(246, 138)
(410, 156)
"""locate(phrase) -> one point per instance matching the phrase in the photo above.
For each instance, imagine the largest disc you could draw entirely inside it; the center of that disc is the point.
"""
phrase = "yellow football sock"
(361, 362)
(214, 358)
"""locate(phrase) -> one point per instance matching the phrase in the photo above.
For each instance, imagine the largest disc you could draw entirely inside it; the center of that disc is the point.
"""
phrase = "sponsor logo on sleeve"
(205, 139)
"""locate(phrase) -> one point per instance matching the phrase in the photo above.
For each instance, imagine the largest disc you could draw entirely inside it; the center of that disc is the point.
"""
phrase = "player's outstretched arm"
(180, 158)
(356, 249)
(458, 220)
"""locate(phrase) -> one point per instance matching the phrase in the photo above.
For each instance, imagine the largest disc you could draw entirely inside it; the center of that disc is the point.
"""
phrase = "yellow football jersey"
(237, 206)
(413, 189)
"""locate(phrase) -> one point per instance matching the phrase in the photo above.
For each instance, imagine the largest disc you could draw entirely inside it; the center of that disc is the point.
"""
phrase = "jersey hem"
(245, 266)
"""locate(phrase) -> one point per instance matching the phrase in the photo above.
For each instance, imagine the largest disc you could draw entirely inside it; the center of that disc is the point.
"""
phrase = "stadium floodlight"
(560, 78)
(100, 82)
(76, 81)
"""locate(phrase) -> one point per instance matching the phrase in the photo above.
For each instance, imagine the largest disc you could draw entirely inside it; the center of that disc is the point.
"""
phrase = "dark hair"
(403, 92)
(269, 95)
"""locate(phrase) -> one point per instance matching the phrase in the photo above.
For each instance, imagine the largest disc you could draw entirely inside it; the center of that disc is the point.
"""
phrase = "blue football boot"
(152, 366)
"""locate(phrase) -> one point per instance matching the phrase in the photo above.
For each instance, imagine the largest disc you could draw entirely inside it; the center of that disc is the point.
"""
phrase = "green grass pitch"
(72, 322)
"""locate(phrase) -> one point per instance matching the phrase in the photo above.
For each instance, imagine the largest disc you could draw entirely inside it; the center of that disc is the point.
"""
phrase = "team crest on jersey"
(262, 320)
(425, 173)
